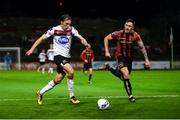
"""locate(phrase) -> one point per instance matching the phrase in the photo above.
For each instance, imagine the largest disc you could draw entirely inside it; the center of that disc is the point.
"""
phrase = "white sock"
(43, 69)
(51, 70)
(70, 87)
(48, 87)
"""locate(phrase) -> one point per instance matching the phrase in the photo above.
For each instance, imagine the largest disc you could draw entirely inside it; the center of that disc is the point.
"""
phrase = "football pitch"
(157, 96)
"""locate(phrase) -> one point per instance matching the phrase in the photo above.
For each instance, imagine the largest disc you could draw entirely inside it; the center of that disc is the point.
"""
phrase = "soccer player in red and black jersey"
(87, 56)
(125, 39)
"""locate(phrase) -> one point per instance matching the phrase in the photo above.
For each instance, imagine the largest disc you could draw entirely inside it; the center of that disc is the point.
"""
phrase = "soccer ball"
(103, 104)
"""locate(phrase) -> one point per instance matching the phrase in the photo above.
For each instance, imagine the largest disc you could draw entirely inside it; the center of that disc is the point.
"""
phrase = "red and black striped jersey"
(87, 55)
(125, 42)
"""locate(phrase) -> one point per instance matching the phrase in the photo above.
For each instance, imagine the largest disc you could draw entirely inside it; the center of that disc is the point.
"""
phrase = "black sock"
(90, 76)
(127, 86)
(115, 72)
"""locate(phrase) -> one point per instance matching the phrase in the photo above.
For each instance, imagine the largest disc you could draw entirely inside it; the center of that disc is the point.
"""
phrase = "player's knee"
(70, 75)
(126, 75)
(56, 81)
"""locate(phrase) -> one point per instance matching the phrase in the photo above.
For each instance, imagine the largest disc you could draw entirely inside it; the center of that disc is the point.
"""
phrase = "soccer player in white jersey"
(62, 39)
(50, 55)
(42, 60)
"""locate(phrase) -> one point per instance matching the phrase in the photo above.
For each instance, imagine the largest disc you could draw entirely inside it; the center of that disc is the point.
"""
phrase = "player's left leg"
(127, 83)
(51, 67)
(43, 70)
(85, 69)
(90, 75)
(38, 69)
(70, 74)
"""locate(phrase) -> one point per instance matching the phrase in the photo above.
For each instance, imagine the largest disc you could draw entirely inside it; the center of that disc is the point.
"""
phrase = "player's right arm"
(106, 45)
(80, 38)
(36, 43)
(92, 57)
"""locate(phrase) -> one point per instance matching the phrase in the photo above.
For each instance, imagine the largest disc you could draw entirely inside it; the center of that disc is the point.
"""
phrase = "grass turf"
(157, 96)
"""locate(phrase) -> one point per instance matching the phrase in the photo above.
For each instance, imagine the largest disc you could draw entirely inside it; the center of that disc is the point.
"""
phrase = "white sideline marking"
(154, 96)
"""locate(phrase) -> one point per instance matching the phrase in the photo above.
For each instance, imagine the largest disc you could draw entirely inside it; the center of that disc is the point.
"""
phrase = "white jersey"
(62, 40)
(42, 57)
(50, 54)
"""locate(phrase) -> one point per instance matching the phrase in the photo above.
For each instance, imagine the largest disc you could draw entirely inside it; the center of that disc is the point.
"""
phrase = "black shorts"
(42, 63)
(60, 61)
(50, 61)
(87, 66)
(125, 62)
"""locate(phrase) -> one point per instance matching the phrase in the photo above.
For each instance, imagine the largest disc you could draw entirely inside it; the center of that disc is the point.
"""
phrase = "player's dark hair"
(65, 17)
(131, 20)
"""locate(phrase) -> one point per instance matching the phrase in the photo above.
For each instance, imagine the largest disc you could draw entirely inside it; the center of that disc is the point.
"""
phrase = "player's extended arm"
(106, 45)
(37, 42)
(143, 50)
(83, 41)
(92, 59)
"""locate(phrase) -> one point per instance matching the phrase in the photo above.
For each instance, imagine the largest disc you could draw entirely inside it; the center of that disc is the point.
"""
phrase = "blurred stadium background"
(22, 22)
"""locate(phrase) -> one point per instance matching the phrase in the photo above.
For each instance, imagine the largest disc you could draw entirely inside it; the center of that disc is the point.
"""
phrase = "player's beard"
(127, 31)
(65, 28)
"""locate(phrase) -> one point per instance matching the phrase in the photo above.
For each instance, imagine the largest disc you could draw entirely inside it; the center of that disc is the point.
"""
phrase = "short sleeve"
(50, 32)
(137, 37)
(114, 35)
(75, 32)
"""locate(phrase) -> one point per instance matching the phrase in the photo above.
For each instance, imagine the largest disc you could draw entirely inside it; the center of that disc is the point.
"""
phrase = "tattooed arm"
(143, 50)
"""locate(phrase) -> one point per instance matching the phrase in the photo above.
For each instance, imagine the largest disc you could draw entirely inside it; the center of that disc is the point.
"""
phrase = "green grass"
(157, 93)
